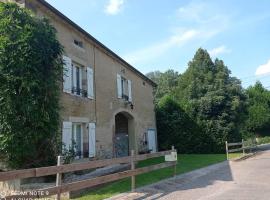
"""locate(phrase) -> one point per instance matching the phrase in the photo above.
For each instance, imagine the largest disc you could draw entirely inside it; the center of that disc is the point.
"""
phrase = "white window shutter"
(67, 135)
(129, 91)
(92, 139)
(67, 74)
(119, 87)
(90, 83)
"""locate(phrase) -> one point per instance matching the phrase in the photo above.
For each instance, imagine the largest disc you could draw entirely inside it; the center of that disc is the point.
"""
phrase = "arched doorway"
(124, 134)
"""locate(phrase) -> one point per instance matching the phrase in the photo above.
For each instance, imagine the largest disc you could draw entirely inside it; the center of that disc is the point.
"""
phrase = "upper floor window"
(124, 88)
(78, 43)
(77, 79)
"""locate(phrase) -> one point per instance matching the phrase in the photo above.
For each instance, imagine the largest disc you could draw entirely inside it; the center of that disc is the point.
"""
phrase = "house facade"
(107, 105)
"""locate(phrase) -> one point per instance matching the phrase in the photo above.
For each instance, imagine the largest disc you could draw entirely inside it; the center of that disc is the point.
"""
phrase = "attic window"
(78, 43)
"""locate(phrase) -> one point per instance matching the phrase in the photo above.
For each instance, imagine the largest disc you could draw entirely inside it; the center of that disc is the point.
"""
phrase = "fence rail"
(234, 144)
(243, 148)
(73, 186)
(46, 171)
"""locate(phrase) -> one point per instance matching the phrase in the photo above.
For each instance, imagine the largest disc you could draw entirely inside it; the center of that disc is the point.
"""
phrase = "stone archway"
(124, 136)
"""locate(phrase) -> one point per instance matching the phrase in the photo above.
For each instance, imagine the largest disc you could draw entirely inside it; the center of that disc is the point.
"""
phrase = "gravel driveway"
(240, 180)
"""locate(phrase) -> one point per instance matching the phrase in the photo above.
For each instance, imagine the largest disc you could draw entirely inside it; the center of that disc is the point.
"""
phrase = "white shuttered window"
(124, 88)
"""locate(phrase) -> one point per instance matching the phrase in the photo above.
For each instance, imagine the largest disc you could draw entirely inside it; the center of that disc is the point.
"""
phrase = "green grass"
(235, 155)
(185, 163)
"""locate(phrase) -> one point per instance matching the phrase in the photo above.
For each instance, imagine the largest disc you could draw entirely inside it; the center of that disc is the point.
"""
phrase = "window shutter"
(67, 74)
(92, 139)
(67, 135)
(129, 91)
(90, 83)
(119, 87)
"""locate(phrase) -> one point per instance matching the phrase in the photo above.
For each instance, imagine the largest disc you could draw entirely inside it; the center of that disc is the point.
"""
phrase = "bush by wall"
(30, 77)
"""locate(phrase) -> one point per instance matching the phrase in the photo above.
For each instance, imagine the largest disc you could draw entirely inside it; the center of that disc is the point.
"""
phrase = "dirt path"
(243, 180)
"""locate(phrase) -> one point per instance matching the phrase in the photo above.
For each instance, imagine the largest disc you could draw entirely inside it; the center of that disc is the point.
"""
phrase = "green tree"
(213, 98)
(166, 82)
(30, 79)
(258, 110)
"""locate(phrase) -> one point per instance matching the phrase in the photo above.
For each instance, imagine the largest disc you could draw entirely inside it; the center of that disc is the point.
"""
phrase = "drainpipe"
(95, 88)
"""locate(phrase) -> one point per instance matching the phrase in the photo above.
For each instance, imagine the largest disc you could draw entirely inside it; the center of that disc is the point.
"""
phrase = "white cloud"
(193, 24)
(192, 11)
(159, 48)
(263, 69)
(174, 41)
(219, 50)
(201, 13)
(114, 7)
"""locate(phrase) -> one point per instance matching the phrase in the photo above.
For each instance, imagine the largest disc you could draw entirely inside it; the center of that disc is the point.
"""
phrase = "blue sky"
(161, 34)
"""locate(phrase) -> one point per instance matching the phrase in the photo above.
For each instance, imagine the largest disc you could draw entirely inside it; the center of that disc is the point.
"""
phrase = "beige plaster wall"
(105, 104)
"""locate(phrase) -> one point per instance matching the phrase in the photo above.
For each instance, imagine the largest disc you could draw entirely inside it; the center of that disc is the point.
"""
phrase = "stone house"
(107, 104)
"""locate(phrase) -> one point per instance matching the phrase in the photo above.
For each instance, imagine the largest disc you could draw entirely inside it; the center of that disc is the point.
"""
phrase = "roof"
(62, 16)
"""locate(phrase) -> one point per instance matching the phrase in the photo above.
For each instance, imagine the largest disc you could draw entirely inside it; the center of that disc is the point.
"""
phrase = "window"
(78, 79)
(80, 137)
(77, 137)
(77, 72)
(78, 43)
(124, 88)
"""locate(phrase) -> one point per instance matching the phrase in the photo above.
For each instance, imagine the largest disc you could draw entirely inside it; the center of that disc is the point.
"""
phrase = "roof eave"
(65, 18)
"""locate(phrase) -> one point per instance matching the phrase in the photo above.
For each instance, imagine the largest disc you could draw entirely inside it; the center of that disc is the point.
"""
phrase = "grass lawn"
(235, 155)
(185, 163)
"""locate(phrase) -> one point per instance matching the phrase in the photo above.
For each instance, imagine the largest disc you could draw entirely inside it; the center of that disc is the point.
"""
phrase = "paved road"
(242, 180)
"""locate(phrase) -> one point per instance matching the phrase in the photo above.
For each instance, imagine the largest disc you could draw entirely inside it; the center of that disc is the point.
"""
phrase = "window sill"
(125, 100)
(78, 96)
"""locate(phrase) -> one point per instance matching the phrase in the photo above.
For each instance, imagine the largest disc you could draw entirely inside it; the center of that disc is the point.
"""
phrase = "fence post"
(227, 150)
(243, 147)
(174, 167)
(59, 177)
(132, 168)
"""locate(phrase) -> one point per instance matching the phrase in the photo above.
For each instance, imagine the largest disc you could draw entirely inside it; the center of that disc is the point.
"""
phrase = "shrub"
(30, 77)
(176, 128)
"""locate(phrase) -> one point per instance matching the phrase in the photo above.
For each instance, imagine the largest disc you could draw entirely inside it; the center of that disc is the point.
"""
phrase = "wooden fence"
(242, 147)
(73, 186)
